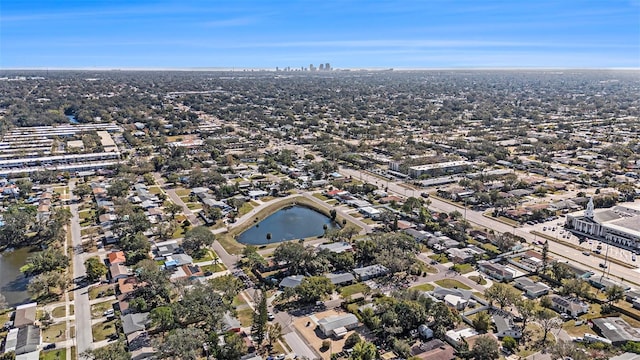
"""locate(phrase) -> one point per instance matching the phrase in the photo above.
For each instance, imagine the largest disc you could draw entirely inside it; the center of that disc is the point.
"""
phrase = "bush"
(509, 343)
(352, 340)
(325, 345)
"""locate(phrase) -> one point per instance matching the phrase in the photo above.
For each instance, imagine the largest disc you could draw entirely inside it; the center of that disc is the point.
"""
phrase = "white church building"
(618, 225)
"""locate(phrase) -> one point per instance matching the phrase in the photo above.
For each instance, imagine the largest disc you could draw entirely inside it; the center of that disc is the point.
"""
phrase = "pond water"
(294, 222)
(13, 284)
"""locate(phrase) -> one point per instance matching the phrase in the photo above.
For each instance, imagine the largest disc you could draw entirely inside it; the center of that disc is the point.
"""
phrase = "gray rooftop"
(616, 329)
(134, 322)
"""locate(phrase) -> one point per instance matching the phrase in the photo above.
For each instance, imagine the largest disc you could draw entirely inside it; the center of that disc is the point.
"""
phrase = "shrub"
(352, 340)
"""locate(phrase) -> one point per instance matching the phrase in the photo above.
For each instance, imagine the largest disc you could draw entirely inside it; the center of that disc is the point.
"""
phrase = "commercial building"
(450, 167)
(618, 225)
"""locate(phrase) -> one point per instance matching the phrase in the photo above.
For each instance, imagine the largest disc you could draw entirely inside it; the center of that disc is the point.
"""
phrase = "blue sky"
(346, 33)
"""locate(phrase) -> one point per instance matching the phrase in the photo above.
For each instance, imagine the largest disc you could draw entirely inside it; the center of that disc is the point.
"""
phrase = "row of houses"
(24, 337)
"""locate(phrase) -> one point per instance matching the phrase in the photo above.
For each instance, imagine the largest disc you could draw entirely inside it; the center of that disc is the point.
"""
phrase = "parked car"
(633, 257)
(270, 316)
(279, 357)
(49, 346)
(603, 265)
(586, 253)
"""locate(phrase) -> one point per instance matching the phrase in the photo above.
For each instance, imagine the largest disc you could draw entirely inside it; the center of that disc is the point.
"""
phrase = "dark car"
(49, 346)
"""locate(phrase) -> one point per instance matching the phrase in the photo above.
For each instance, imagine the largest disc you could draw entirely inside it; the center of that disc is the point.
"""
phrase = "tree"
(228, 285)
(364, 351)
(292, 253)
(274, 333)
(119, 188)
(197, 238)
(526, 309)
(252, 258)
(509, 343)
(566, 350)
(548, 320)
(234, 347)
(352, 340)
(333, 214)
(314, 288)
(482, 321)
(614, 294)
(181, 344)
(82, 190)
(163, 318)
(577, 287)
(485, 348)
(560, 271)
(402, 348)
(48, 260)
(504, 295)
(95, 268)
(173, 209)
(260, 318)
(545, 256)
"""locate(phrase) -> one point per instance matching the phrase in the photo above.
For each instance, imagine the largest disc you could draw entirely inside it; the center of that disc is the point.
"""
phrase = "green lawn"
(58, 354)
(441, 258)
(245, 208)
(54, 333)
(213, 268)
(353, 289)
(451, 283)
(98, 309)
(423, 287)
(368, 221)
(103, 330)
(245, 316)
(463, 268)
(573, 330)
(86, 214)
(332, 201)
(101, 291)
(58, 312)
(208, 256)
(179, 232)
(320, 196)
(194, 206)
(230, 244)
(154, 190)
(183, 192)
(478, 279)
(490, 247)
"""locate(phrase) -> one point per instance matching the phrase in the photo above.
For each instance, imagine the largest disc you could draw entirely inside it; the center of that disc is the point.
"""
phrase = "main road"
(84, 337)
(563, 252)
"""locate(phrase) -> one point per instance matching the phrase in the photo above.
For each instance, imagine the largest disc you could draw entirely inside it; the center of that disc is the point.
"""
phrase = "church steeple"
(589, 212)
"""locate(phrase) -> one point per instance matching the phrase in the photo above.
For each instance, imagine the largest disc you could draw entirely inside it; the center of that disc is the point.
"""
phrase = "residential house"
(336, 247)
(454, 337)
(118, 271)
(116, 257)
(135, 322)
(230, 322)
(506, 327)
(187, 272)
(370, 272)
(28, 339)
(434, 349)
(531, 289)
(338, 325)
(616, 329)
(442, 243)
(176, 260)
(25, 315)
(496, 271)
(571, 306)
(340, 278)
(464, 255)
(291, 281)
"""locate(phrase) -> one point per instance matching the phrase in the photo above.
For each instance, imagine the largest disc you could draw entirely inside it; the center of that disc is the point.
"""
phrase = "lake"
(294, 222)
(13, 284)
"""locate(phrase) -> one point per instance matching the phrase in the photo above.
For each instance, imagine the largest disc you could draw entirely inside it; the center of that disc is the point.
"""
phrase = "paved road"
(563, 252)
(84, 337)
(171, 193)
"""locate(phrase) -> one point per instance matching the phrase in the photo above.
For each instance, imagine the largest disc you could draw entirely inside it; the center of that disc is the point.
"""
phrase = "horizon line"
(297, 69)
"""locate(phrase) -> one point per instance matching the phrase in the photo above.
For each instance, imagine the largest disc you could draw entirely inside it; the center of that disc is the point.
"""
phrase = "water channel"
(13, 284)
(294, 222)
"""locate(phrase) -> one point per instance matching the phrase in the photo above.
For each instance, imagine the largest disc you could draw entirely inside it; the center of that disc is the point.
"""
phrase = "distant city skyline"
(408, 34)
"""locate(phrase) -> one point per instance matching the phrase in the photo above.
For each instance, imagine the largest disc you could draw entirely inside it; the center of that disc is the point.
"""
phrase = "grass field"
(58, 354)
(58, 312)
(245, 316)
(478, 280)
(213, 268)
(103, 330)
(451, 284)
(55, 333)
(154, 190)
(353, 289)
(441, 258)
(423, 287)
(100, 291)
(245, 208)
(98, 309)
(183, 192)
(463, 268)
(320, 196)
